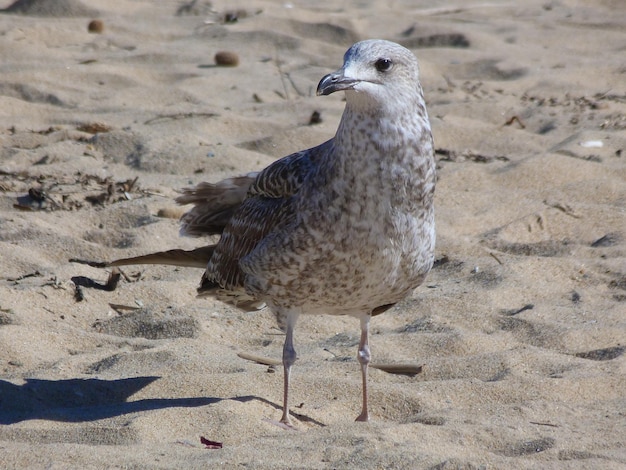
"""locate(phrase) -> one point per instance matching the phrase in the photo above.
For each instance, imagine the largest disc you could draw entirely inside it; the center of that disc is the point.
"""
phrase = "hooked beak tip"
(333, 82)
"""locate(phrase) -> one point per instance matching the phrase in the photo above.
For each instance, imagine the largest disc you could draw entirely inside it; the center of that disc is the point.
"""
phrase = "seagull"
(344, 228)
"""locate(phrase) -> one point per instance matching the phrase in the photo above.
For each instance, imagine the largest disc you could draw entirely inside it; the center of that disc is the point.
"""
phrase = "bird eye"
(383, 65)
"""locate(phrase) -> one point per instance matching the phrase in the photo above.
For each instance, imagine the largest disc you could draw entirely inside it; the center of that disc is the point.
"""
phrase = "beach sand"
(520, 327)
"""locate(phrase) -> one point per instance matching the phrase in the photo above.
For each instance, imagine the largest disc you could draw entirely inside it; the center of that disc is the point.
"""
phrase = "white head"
(375, 74)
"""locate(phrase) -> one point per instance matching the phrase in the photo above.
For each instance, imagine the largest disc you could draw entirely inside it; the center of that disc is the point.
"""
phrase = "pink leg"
(289, 357)
(364, 357)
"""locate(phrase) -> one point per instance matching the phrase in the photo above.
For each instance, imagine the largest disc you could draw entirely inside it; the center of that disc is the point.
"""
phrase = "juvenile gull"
(344, 228)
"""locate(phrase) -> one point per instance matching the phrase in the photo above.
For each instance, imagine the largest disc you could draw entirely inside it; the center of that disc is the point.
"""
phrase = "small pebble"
(95, 26)
(227, 59)
(171, 212)
(315, 118)
(234, 16)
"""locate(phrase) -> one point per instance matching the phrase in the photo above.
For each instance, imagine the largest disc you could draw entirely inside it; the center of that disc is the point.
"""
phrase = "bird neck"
(392, 137)
(383, 153)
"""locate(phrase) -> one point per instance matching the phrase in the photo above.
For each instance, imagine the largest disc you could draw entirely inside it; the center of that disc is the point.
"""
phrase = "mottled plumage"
(346, 227)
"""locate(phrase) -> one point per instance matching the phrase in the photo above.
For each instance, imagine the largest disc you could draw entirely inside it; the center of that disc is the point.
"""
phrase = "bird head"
(374, 72)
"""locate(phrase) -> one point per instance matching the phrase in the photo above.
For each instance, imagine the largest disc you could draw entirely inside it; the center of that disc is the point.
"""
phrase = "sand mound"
(52, 8)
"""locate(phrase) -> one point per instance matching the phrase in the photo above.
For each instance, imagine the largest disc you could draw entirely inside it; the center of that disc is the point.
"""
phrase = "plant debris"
(447, 155)
(69, 193)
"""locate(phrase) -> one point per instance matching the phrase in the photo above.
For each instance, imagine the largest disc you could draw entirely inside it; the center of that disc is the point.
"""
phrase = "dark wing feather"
(266, 208)
(254, 219)
(214, 204)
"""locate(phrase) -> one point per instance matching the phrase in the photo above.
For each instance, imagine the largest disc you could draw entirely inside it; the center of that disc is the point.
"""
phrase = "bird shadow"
(80, 400)
(299, 416)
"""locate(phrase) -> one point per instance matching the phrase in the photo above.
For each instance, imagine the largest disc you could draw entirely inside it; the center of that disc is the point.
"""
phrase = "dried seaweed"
(75, 192)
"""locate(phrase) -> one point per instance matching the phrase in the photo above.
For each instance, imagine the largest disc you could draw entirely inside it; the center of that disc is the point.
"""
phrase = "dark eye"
(383, 65)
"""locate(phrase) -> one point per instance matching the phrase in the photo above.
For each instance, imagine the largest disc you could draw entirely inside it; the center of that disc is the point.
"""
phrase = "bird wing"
(267, 207)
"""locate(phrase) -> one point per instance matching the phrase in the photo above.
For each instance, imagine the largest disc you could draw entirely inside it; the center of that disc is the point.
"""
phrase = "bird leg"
(364, 357)
(289, 357)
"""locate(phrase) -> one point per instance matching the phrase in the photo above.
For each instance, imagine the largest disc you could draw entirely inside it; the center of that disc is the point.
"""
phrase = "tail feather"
(198, 258)
(213, 207)
(214, 204)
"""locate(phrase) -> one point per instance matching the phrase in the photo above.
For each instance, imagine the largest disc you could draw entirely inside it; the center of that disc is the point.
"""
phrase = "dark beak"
(335, 81)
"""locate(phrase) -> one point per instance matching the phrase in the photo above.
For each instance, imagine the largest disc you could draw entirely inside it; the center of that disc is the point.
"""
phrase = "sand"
(520, 328)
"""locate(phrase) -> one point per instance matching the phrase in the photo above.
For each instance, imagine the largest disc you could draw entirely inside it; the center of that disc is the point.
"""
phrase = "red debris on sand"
(210, 444)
